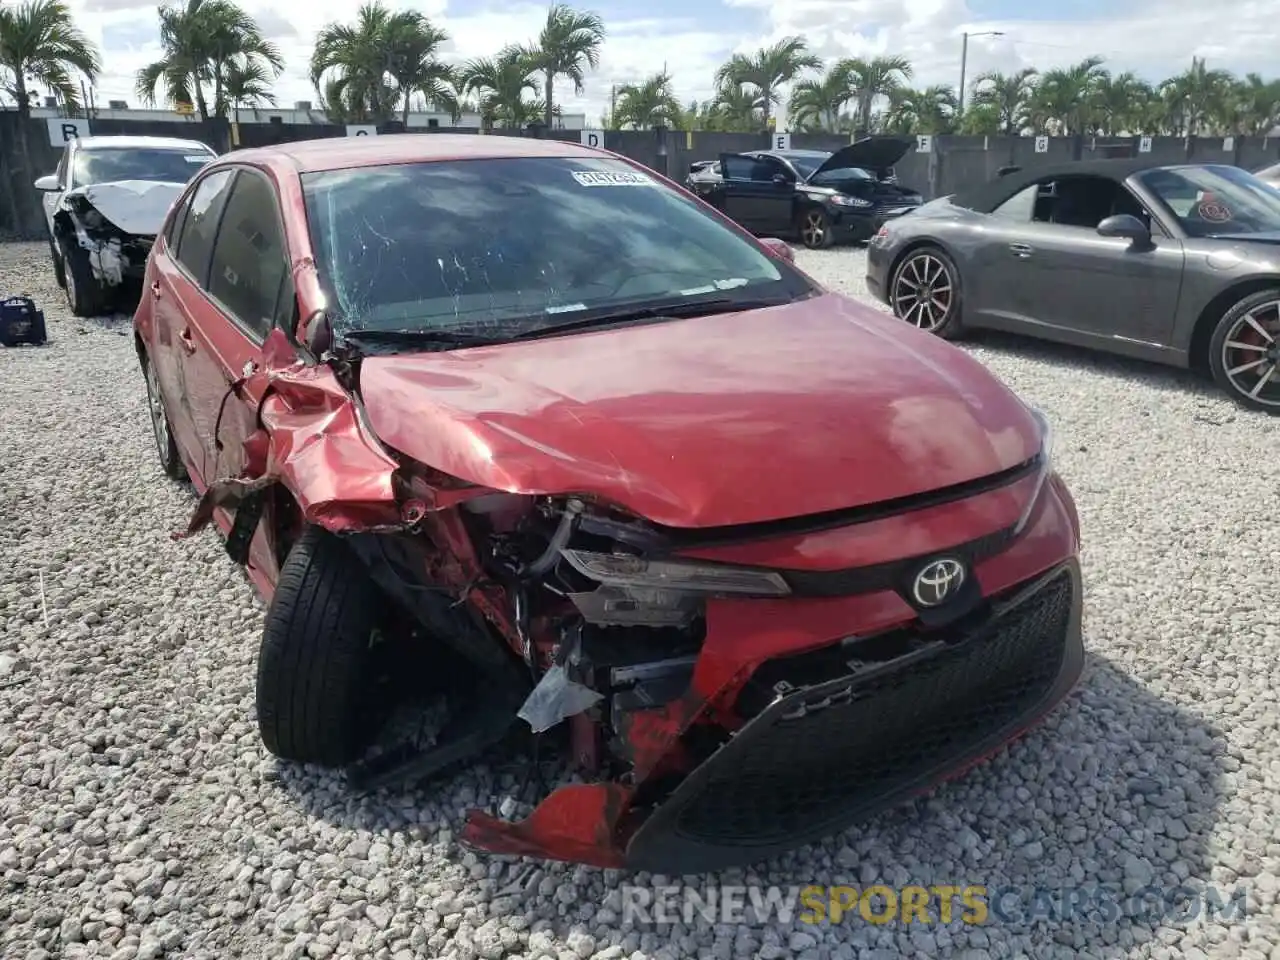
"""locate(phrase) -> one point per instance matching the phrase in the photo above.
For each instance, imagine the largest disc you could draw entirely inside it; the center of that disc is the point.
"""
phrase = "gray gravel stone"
(140, 816)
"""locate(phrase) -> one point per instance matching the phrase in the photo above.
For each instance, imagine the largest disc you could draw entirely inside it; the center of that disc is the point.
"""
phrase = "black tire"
(85, 295)
(927, 267)
(162, 432)
(1249, 373)
(59, 272)
(322, 695)
(815, 230)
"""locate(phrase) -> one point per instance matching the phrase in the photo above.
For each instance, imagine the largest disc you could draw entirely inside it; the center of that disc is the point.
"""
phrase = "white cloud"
(925, 31)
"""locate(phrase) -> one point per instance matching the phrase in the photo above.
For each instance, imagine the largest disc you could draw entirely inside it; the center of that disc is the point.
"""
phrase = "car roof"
(341, 153)
(988, 196)
(137, 143)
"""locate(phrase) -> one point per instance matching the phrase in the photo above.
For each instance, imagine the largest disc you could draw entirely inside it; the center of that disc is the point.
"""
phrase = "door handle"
(187, 340)
(155, 289)
(1020, 250)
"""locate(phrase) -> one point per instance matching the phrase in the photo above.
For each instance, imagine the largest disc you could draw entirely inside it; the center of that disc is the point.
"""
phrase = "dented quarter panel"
(674, 420)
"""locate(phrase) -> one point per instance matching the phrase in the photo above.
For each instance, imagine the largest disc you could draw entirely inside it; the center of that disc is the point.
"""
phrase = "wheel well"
(1198, 349)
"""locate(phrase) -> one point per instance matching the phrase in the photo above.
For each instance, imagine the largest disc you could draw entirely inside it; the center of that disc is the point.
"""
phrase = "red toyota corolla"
(520, 422)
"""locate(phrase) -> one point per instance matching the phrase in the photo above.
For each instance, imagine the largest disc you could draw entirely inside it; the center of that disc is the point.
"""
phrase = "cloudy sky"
(1154, 38)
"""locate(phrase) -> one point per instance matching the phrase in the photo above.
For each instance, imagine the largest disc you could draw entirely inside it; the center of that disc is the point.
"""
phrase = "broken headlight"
(620, 570)
(634, 591)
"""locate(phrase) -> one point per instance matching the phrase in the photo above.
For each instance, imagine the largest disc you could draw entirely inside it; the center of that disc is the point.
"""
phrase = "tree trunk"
(404, 115)
(550, 91)
(24, 120)
(765, 107)
(201, 104)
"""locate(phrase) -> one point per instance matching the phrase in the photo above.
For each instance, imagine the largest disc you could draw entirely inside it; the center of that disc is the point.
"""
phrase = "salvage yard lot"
(140, 816)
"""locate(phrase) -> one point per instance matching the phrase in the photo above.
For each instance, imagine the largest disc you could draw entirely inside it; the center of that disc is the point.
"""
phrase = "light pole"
(964, 60)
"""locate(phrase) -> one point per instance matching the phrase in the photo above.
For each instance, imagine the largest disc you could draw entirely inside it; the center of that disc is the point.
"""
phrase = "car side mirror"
(779, 248)
(315, 333)
(1127, 226)
(47, 184)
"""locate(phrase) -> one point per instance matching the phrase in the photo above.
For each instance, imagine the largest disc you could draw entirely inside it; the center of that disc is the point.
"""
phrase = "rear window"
(499, 247)
(108, 165)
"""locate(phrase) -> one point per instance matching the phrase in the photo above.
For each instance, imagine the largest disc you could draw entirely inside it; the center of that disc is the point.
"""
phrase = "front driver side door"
(752, 195)
(1055, 272)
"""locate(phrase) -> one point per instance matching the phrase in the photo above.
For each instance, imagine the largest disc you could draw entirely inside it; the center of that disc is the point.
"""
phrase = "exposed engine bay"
(114, 224)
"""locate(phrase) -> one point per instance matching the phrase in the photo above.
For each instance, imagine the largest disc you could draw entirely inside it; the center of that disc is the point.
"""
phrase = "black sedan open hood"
(869, 153)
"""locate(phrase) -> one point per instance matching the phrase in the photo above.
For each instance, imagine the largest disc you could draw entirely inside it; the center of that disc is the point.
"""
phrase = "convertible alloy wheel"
(1246, 352)
(925, 291)
(815, 230)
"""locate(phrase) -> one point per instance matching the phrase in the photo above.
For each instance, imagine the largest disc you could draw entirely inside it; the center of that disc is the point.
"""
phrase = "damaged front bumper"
(817, 760)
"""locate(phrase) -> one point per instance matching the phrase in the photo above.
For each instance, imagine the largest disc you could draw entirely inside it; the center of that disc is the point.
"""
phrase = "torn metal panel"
(312, 439)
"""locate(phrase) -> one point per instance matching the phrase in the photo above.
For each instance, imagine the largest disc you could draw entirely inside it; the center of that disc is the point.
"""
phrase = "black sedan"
(1178, 264)
(814, 195)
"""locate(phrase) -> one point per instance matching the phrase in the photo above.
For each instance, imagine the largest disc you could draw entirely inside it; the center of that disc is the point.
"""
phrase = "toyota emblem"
(938, 582)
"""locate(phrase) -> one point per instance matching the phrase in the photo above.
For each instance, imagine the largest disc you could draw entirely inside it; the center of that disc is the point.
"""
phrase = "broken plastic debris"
(555, 698)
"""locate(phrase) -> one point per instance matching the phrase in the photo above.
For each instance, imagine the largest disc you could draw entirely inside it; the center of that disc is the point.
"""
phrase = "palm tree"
(736, 109)
(1122, 103)
(1197, 98)
(821, 100)
(363, 70)
(569, 43)
(40, 43)
(246, 83)
(1009, 95)
(1065, 99)
(931, 110)
(647, 105)
(1259, 104)
(762, 72)
(872, 79)
(201, 39)
(500, 83)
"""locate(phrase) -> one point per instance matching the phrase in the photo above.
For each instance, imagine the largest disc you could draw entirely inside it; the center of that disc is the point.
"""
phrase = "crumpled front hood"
(720, 420)
(137, 207)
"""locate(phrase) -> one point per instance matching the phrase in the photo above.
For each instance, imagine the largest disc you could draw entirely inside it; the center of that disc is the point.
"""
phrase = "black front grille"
(894, 574)
(819, 759)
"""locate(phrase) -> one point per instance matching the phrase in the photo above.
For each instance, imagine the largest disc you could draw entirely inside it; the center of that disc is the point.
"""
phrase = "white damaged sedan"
(103, 207)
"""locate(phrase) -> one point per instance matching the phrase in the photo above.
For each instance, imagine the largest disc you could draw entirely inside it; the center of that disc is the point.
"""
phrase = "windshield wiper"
(444, 339)
(674, 310)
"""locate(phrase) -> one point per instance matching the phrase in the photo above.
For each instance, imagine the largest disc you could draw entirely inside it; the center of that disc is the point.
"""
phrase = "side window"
(766, 168)
(249, 264)
(195, 242)
(1079, 201)
(173, 229)
(736, 166)
(1020, 207)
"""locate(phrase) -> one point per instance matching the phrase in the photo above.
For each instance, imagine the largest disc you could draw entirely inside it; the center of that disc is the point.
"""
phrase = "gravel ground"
(140, 816)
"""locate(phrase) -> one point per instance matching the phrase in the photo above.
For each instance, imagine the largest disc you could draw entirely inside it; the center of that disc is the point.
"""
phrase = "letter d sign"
(593, 138)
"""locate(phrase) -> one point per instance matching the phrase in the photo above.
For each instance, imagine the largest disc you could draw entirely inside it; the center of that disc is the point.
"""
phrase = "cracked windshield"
(491, 249)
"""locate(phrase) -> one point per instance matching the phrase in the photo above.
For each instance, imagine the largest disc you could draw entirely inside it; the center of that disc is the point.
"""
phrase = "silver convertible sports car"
(1178, 264)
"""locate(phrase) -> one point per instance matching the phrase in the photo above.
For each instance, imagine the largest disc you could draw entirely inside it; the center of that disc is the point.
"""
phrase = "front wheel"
(1244, 351)
(59, 272)
(85, 295)
(324, 676)
(815, 230)
(925, 292)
